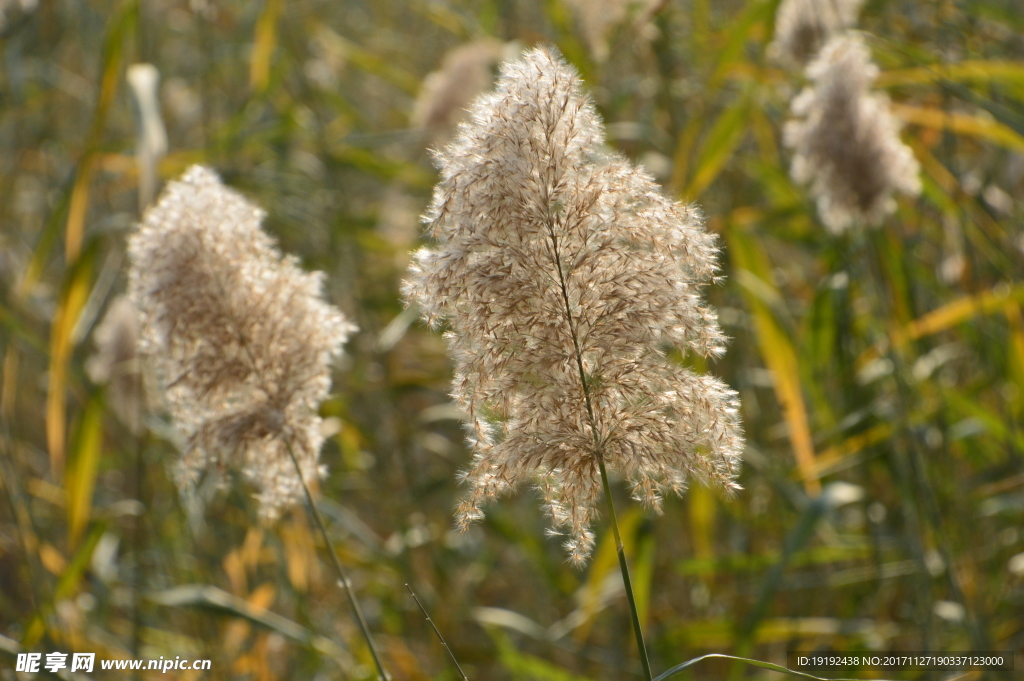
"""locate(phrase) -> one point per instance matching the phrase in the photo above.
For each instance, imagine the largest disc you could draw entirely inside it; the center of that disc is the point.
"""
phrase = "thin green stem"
(342, 576)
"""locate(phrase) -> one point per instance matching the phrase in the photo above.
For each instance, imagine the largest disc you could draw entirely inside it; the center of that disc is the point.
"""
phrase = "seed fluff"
(563, 275)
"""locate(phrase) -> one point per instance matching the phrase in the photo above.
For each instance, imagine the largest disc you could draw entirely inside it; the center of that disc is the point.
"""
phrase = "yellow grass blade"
(78, 205)
(373, 64)
(702, 520)
(720, 632)
(81, 477)
(960, 123)
(78, 208)
(604, 563)
(722, 140)
(973, 71)
(960, 310)
(777, 351)
(64, 320)
(10, 382)
(833, 456)
(643, 575)
(264, 42)
(1016, 358)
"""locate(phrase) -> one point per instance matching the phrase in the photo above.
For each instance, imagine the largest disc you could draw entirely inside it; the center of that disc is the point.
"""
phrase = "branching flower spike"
(846, 140)
(565, 275)
(239, 335)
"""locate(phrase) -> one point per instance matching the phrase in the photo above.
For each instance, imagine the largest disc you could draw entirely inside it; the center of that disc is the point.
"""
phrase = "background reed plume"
(465, 72)
(239, 335)
(803, 26)
(564, 274)
(115, 362)
(846, 141)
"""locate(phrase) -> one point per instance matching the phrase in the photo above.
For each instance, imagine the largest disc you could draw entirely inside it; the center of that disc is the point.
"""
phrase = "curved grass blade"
(746, 660)
(217, 600)
(961, 124)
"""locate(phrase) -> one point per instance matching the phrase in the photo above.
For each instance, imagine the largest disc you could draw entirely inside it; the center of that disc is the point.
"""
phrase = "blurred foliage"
(883, 366)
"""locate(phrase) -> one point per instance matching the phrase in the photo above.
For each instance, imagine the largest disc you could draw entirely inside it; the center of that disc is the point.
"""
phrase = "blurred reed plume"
(465, 72)
(115, 363)
(238, 334)
(846, 141)
(598, 18)
(564, 274)
(803, 26)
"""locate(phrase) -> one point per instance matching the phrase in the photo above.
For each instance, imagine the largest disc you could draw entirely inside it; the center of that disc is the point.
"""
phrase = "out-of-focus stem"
(438, 632)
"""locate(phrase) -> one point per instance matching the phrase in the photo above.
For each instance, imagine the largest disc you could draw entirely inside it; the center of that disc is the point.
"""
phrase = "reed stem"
(598, 449)
(624, 568)
(342, 576)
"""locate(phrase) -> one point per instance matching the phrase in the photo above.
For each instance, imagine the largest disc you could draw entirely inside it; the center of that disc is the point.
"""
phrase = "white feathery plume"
(239, 335)
(564, 274)
(846, 141)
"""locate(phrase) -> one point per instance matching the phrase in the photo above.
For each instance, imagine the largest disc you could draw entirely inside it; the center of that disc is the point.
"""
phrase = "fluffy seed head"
(564, 275)
(239, 335)
(846, 141)
(803, 26)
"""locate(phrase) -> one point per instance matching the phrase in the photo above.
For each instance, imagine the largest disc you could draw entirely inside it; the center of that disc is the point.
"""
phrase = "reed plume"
(564, 274)
(598, 18)
(803, 26)
(115, 362)
(465, 72)
(239, 336)
(846, 141)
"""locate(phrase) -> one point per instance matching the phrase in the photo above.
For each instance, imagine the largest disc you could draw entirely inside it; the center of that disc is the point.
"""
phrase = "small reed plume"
(846, 141)
(465, 72)
(565, 274)
(598, 18)
(115, 363)
(239, 335)
(803, 26)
